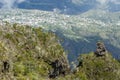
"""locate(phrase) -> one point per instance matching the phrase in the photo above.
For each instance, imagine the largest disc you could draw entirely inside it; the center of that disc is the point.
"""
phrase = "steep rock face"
(27, 52)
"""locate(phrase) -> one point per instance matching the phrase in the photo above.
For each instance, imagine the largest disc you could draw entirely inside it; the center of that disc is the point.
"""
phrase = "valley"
(78, 33)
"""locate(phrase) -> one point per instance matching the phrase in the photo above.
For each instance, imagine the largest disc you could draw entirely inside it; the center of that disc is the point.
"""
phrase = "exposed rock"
(80, 62)
(99, 68)
(60, 67)
(101, 50)
(6, 66)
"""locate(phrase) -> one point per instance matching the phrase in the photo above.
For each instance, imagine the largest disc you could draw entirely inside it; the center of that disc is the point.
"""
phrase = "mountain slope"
(31, 53)
(27, 52)
(98, 68)
(78, 32)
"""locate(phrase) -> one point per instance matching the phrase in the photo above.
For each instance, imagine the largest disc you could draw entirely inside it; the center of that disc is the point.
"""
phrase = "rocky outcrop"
(101, 50)
(98, 68)
(59, 67)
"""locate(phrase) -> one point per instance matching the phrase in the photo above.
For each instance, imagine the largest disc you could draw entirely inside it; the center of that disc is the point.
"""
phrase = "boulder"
(101, 50)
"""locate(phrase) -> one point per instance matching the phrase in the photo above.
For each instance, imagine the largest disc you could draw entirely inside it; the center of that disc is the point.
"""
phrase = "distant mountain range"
(64, 6)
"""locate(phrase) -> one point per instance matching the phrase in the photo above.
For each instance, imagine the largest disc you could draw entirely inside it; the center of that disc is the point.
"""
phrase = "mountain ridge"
(28, 52)
(78, 29)
(64, 6)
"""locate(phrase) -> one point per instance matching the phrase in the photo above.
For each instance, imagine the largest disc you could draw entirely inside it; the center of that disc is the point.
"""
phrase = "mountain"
(64, 6)
(78, 33)
(29, 53)
(0, 5)
(44, 5)
(114, 7)
(71, 6)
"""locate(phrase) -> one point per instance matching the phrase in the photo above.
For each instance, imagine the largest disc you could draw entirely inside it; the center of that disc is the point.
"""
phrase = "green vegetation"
(80, 32)
(99, 68)
(95, 68)
(28, 51)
